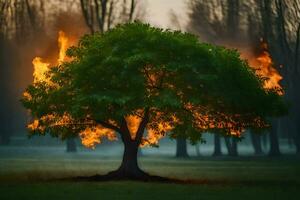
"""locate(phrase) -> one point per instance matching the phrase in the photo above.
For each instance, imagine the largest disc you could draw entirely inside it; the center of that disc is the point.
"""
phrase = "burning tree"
(142, 83)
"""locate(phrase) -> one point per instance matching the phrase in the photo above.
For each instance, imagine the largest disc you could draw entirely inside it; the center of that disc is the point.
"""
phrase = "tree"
(256, 141)
(217, 145)
(102, 15)
(181, 148)
(209, 20)
(19, 22)
(136, 77)
(280, 27)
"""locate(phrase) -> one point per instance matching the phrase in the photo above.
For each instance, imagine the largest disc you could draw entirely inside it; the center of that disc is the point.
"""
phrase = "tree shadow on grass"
(158, 179)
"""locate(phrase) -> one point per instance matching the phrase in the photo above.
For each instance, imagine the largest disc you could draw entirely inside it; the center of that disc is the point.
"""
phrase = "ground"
(28, 175)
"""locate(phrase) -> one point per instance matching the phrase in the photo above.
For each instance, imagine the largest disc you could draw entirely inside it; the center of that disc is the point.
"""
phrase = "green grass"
(37, 177)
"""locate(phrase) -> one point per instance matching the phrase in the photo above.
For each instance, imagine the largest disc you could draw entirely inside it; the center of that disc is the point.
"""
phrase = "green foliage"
(135, 66)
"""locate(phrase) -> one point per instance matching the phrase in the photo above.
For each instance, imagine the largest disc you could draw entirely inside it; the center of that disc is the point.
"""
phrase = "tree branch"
(297, 49)
(87, 17)
(108, 125)
(142, 126)
(132, 9)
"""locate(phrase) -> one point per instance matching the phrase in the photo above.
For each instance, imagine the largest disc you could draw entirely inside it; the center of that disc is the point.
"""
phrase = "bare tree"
(20, 21)
(281, 27)
(101, 15)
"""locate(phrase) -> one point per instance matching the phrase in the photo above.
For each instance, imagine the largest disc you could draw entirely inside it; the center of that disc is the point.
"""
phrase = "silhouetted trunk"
(71, 145)
(6, 90)
(129, 168)
(274, 144)
(297, 143)
(181, 148)
(264, 140)
(197, 147)
(217, 145)
(256, 142)
(233, 17)
(234, 147)
(297, 136)
(231, 145)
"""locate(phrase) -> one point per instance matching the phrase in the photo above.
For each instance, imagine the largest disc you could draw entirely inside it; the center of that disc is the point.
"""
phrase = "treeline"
(27, 30)
(235, 23)
(241, 24)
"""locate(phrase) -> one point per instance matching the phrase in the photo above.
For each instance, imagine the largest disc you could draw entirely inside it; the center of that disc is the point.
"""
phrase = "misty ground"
(35, 171)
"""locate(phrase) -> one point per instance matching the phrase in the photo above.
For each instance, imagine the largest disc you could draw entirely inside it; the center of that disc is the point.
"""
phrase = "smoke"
(44, 44)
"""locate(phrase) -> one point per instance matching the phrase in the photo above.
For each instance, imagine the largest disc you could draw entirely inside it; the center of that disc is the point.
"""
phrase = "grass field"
(38, 177)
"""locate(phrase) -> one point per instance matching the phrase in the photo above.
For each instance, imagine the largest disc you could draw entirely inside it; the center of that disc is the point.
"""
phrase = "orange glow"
(264, 67)
(205, 121)
(63, 46)
(133, 123)
(34, 125)
(41, 67)
(90, 137)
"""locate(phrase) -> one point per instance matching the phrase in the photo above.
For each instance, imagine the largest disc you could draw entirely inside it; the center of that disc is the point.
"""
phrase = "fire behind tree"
(264, 67)
(91, 136)
(135, 79)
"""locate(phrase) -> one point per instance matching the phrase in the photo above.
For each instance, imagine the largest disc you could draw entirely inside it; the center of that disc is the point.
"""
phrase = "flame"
(264, 67)
(41, 67)
(34, 125)
(267, 70)
(133, 122)
(63, 46)
(90, 137)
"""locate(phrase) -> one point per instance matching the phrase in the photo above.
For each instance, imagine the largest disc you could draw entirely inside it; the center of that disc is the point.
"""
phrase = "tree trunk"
(231, 144)
(234, 147)
(197, 147)
(297, 135)
(256, 142)
(274, 144)
(181, 148)
(129, 168)
(71, 145)
(217, 145)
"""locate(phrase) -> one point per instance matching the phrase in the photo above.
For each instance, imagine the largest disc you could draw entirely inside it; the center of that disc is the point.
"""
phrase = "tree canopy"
(149, 78)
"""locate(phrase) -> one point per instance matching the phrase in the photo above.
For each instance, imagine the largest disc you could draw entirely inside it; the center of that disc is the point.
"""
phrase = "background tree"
(242, 24)
(278, 23)
(20, 21)
(210, 20)
(101, 15)
(135, 78)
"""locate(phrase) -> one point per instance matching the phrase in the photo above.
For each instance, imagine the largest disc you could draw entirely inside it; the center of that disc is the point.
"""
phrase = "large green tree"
(136, 79)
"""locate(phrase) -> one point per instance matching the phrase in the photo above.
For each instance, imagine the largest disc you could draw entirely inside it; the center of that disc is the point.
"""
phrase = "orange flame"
(264, 67)
(41, 67)
(90, 137)
(133, 123)
(63, 46)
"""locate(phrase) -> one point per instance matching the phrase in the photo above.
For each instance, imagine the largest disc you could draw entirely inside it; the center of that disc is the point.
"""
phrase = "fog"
(67, 16)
